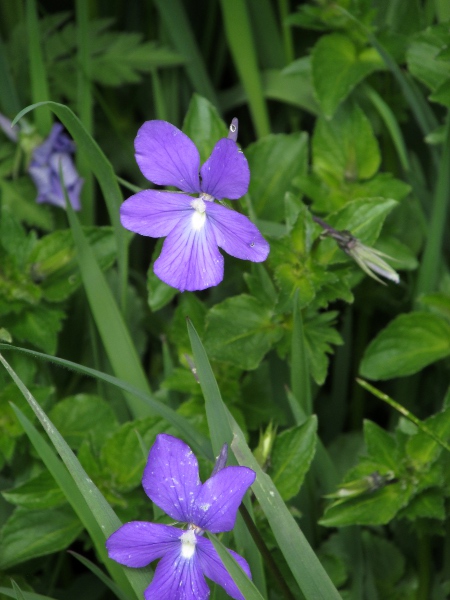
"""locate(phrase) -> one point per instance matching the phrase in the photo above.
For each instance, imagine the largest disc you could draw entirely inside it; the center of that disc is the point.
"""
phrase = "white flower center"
(199, 217)
(188, 542)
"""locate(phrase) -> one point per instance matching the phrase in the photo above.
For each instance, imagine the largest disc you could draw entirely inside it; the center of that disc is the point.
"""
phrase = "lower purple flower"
(171, 480)
(195, 227)
(53, 155)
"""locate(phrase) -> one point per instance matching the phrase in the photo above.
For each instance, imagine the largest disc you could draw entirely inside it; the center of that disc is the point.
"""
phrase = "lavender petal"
(226, 174)
(138, 543)
(177, 578)
(166, 156)
(213, 567)
(171, 477)
(190, 259)
(236, 234)
(154, 213)
(219, 498)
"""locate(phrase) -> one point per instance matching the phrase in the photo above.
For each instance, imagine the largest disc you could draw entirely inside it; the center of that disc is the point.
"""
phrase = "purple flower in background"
(195, 226)
(47, 159)
(171, 481)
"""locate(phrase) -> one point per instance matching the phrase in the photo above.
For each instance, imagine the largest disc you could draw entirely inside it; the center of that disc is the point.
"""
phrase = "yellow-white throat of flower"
(188, 543)
(199, 217)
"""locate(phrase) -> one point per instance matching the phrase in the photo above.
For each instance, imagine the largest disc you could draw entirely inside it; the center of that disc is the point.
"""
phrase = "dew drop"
(252, 244)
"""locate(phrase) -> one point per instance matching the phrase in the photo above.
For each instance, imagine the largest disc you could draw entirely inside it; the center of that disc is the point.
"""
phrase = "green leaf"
(241, 331)
(337, 67)
(423, 449)
(204, 125)
(82, 414)
(245, 585)
(345, 147)
(159, 293)
(274, 161)
(437, 303)
(38, 325)
(381, 446)
(121, 455)
(371, 508)
(54, 264)
(408, 344)
(423, 56)
(429, 504)
(29, 534)
(320, 333)
(291, 458)
(363, 218)
(38, 493)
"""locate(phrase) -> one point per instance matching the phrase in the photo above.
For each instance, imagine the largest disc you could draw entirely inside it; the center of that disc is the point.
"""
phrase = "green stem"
(430, 268)
(403, 411)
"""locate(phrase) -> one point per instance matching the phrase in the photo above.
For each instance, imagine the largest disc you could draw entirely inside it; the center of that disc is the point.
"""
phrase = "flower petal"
(236, 234)
(171, 477)
(190, 259)
(138, 543)
(213, 567)
(154, 213)
(218, 499)
(226, 174)
(167, 156)
(177, 578)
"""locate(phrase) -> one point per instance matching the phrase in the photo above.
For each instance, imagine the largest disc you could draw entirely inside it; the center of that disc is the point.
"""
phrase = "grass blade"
(431, 266)
(9, 100)
(104, 173)
(101, 575)
(178, 27)
(84, 496)
(195, 439)
(245, 585)
(38, 75)
(240, 41)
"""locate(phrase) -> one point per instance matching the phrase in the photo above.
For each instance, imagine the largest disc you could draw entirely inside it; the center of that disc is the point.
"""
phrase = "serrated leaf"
(423, 57)
(345, 147)
(241, 331)
(408, 344)
(319, 335)
(337, 67)
(291, 458)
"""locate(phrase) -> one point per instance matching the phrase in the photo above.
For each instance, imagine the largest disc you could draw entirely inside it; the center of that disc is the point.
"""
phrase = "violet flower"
(48, 158)
(171, 481)
(195, 226)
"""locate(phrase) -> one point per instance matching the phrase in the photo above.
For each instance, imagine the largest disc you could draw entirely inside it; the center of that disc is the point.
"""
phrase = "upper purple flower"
(171, 481)
(195, 227)
(53, 154)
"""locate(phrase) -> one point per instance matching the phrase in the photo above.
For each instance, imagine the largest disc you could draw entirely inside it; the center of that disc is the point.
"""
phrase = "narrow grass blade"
(114, 333)
(178, 27)
(245, 585)
(240, 41)
(85, 106)
(38, 74)
(300, 376)
(431, 266)
(195, 439)
(101, 575)
(221, 433)
(306, 568)
(403, 411)
(84, 497)
(104, 173)
(265, 27)
(9, 100)
(391, 123)
(27, 595)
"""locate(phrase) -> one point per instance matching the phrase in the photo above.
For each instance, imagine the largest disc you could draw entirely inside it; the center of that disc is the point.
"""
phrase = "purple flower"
(171, 481)
(53, 154)
(195, 226)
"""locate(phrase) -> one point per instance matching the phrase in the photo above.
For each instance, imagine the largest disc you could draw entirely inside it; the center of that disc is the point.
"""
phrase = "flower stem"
(268, 560)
